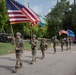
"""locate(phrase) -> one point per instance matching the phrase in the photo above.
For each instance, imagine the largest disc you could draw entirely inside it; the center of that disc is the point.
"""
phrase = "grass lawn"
(6, 48)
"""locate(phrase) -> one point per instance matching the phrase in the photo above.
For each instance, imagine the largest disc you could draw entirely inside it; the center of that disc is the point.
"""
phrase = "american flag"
(19, 13)
(62, 32)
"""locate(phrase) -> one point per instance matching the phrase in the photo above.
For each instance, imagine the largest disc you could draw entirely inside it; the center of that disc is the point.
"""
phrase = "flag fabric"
(70, 33)
(42, 22)
(19, 13)
(62, 32)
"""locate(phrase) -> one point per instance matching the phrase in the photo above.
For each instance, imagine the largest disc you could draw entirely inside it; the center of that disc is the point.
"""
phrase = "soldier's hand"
(17, 48)
(22, 51)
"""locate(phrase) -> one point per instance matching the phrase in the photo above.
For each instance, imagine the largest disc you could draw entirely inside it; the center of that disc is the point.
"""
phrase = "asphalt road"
(61, 63)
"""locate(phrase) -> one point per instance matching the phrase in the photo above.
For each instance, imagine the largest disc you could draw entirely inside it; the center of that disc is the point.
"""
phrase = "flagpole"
(28, 5)
(12, 30)
(30, 27)
(60, 34)
(60, 38)
(12, 33)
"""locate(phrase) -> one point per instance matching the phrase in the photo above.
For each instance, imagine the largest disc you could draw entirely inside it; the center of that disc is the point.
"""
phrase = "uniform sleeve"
(40, 44)
(46, 45)
(34, 43)
(21, 45)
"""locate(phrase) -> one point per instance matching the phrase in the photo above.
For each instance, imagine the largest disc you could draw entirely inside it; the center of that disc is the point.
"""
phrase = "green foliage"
(59, 17)
(63, 16)
(3, 15)
(73, 13)
(69, 20)
(24, 28)
(42, 31)
(6, 48)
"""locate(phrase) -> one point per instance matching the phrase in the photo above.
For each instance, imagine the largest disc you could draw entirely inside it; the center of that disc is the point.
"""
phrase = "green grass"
(6, 48)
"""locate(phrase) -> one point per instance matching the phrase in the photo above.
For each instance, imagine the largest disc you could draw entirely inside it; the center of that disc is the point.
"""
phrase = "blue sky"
(41, 7)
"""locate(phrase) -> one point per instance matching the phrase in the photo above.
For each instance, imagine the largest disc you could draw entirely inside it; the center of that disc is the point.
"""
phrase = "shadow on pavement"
(49, 52)
(10, 59)
(7, 67)
(31, 57)
(27, 61)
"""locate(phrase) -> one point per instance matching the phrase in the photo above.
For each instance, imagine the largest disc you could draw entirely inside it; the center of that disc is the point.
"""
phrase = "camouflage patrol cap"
(34, 36)
(44, 39)
(18, 34)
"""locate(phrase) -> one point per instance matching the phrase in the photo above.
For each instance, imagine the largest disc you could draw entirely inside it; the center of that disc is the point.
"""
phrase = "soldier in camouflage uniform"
(18, 50)
(43, 46)
(62, 44)
(54, 44)
(69, 43)
(34, 48)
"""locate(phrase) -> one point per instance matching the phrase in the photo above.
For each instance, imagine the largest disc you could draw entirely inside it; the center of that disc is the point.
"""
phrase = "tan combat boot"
(21, 66)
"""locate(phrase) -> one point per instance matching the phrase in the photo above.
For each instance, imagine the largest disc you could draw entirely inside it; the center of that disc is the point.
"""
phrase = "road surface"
(61, 63)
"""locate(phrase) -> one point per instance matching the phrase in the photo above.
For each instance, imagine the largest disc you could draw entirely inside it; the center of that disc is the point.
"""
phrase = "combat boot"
(69, 48)
(62, 50)
(21, 66)
(35, 59)
(32, 61)
(16, 68)
(43, 56)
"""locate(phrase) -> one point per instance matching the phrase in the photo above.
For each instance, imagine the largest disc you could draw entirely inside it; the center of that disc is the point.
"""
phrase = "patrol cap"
(34, 36)
(55, 36)
(18, 34)
(44, 39)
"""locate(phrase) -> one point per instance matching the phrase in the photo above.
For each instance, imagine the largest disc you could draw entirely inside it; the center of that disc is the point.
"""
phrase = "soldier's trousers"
(18, 59)
(62, 47)
(54, 46)
(67, 47)
(43, 53)
(34, 51)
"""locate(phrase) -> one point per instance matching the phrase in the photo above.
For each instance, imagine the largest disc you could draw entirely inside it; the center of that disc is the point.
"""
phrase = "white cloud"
(37, 9)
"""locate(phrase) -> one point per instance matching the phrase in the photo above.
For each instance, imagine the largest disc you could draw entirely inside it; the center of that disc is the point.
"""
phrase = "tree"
(69, 20)
(3, 15)
(55, 17)
(73, 25)
(24, 28)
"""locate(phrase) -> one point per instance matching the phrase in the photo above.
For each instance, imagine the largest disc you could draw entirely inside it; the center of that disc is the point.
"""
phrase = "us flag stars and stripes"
(19, 13)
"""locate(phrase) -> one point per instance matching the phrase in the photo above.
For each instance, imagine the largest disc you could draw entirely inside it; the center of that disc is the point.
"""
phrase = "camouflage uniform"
(69, 43)
(18, 50)
(43, 46)
(54, 44)
(34, 48)
(62, 43)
